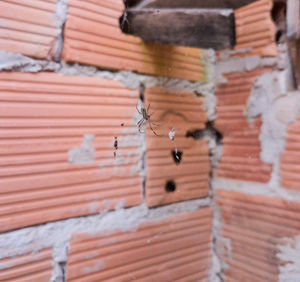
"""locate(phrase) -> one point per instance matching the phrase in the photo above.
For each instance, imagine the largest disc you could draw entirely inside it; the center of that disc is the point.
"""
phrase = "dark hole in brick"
(208, 131)
(170, 186)
(177, 156)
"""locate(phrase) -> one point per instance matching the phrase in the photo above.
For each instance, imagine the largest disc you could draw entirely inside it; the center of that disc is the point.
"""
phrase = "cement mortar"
(61, 16)
(244, 64)
(85, 153)
(290, 256)
(20, 63)
(131, 80)
(57, 234)
(273, 98)
(255, 188)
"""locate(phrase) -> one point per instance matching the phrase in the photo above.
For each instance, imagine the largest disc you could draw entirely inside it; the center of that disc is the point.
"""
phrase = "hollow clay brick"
(182, 113)
(241, 154)
(176, 248)
(92, 36)
(253, 227)
(57, 147)
(32, 266)
(290, 164)
(28, 27)
(255, 29)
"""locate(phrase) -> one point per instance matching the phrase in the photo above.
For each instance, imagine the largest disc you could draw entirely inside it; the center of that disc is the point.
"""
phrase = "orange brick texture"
(50, 168)
(174, 249)
(241, 155)
(31, 267)
(255, 226)
(93, 37)
(255, 33)
(70, 147)
(182, 113)
(28, 27)
(255, 29)
(290, 164)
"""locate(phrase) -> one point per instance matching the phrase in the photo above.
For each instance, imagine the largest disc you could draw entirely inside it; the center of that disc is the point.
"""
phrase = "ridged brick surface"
(290, 159)
(43, 117)
(28, 27)
(31, 267)
(93, 36)
(255, 227)
(255, 29)
(240, 159)
(174, 249)
(182, 112)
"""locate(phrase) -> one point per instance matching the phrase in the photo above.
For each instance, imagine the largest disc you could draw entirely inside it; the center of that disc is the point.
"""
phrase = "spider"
(145, 117)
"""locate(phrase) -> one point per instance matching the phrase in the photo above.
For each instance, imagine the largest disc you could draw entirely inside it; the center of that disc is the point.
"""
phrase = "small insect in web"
(146, 117)
(116, 146)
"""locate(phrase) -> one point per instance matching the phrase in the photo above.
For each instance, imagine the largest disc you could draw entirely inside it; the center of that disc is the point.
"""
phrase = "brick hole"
(177, 156)
(208, 131)
(170, 186)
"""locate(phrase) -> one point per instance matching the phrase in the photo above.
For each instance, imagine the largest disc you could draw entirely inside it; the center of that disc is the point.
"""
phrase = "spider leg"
(137, 109)
(148, 107)
(140, 121)
(152, 128)
(154, 123)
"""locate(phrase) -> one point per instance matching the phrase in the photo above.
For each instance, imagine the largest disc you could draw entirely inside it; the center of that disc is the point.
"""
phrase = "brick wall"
(257, 178)
(77, 175)
(209, 192)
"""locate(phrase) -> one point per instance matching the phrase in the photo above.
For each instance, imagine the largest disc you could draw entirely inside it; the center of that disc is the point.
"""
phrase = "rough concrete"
(255, 188)
(277, 107)
(243, 64)
(272, 97)
(17, 62)
(61, 16)
(57, 234)
(217, 264)
(290, 256)
(85, 153)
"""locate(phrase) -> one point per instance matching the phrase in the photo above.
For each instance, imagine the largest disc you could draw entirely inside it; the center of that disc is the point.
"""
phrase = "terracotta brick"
(30, 267)
(290, 161)
(241, 155)
(28, 27)
(93, 37)
(255, 226)
(174, 249)
(183, 112)
(43, 117)
(255, 29)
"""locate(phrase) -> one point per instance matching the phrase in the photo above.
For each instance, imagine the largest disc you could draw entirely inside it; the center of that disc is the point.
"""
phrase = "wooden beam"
(293, 34)
(201, 28)
(204, 4)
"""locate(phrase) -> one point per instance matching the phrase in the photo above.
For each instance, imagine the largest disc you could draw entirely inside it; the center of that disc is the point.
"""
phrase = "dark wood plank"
(293, 34)
(216, 4)
(294, 49)
(201, 28)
